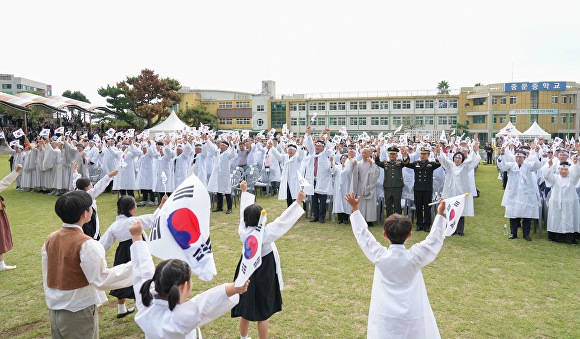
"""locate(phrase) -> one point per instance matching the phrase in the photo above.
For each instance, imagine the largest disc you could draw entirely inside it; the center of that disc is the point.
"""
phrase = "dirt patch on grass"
(16, 331)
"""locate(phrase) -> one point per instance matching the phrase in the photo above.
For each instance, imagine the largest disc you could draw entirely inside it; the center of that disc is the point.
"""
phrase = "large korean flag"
(453, 210)
(181, 230)
(252, 252)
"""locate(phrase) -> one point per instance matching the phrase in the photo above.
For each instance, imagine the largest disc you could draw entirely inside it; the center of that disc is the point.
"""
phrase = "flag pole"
(436, 202)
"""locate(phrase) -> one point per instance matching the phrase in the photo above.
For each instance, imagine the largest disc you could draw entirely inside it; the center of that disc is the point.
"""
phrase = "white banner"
(181, 230)
(252, 255)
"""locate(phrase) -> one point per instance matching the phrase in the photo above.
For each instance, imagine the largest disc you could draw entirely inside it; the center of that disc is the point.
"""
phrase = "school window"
(442, 120)
(572, 99)
(362, 121)
(384, 105)
(293, 107)
(321, 121)
(503, 100)
(243, 104)
(332, 106)
(513, 118)
(353, 121)
(563, 117)
(452, 120)
(6, 86)
(428, 103)
(384, 121)
(406, 104)
(342, 106)
(260, 108)
(312, 106)
(293, 122)
(494, 100)
(554, 119)
(341, 121)
(302, 121)
(443, 104)
(225, 121)
(429, 121)
(503, 119)
(397, 104)
(453, 103)
(374, 121)
(321, 106)
(259, 122)
(225, 105)
(479, 119)
(479, 101)
(302, 106)
(419, 121)
(564, 99)
(375, 105)
(353, 105)
(571, 118)
(513, 99)
(245, 121)
(362, 105)
(332, 121)
(397, 121)
(419, 104)
(555, 99)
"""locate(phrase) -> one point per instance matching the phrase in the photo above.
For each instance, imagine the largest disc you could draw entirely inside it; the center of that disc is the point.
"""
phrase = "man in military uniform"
(393, 183)
(423, 188)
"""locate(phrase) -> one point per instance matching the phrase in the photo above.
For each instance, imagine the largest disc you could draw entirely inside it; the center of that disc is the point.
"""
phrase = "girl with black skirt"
(119, 230)
(263, 297)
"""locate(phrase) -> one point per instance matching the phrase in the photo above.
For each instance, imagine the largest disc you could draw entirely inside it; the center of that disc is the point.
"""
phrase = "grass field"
(480, 286)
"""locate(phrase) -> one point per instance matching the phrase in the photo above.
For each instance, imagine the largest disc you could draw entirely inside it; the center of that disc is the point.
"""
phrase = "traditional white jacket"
(520, 198)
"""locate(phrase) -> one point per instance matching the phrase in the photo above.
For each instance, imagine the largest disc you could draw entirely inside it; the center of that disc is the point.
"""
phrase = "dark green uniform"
(423, 190)
(393, 183)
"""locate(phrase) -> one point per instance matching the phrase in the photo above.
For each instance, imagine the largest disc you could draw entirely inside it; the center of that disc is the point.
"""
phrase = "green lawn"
(481, 285)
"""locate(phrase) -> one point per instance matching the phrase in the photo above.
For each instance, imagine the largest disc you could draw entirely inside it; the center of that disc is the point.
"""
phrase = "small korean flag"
(96, 138)
(453, 210)
(252, 252)
(67, 133)
(272, 132)
(44, 132)
(111, 132)
(14, 143)
(181, 229)
(18, 133)
(313, 117)
(426, 137)
(398, 129)
(2, 135)
(59, 130)
(301, 181)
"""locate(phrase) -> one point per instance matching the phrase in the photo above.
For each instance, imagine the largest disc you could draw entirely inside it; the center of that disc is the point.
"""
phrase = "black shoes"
(313, 220)
(217, 210)
(418, 228)
(370, 224)
(321, 221)
(129, 311)
(428, 229)
(527, 237)
(513, 236)
(229, 211)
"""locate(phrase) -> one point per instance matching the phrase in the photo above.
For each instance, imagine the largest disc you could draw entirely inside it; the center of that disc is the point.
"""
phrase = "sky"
(305, 46)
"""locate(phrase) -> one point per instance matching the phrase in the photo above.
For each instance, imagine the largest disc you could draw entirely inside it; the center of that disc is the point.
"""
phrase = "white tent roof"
(535, 131)
(512, 133)
(171, 124)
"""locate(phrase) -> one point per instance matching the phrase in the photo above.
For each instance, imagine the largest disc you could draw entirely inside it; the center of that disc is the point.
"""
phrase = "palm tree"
(443, 87)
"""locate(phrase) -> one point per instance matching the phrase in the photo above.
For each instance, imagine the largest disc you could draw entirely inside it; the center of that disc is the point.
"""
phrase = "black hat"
(393, 149)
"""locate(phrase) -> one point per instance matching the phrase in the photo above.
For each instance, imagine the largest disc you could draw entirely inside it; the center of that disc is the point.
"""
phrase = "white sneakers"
(4, 267)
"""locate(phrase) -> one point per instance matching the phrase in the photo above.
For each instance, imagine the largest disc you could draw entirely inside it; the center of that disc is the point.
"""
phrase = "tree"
(150, 96)
(198, 114)
(174, 85)
(76, 95)
(443, 87)
(461, 128)
(120, 103)
(478, 84)
(410, 124)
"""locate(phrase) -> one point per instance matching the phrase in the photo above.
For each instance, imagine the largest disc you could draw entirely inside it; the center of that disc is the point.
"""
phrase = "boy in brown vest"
(75, 272)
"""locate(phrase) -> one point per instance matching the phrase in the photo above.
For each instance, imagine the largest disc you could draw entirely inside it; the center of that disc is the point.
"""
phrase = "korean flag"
(301, 181)
(181, 229)
(2, 135)
(453, 210)
(44, 133)
(252, 252)
(110, 132)
(18, 133)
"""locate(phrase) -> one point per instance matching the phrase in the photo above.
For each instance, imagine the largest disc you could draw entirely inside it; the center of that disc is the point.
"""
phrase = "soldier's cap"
(393, 149)
(426, 149)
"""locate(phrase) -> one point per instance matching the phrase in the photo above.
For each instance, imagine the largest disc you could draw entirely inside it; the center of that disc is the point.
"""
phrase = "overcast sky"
(305, 46)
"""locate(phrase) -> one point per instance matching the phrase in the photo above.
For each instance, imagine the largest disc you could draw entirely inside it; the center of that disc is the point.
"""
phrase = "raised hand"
(441, 207)
(244, 186)
(352, 201)
(301, 196)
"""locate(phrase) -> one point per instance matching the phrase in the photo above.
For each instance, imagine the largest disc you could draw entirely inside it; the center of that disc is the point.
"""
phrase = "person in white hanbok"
(563, 207)
(182, 161)
(220, 181)
(198, 163)
(29, 168)
(318, 174)
(164, 166)
(164, 314)
(520, 198)
(146, 170)
(289, 185)
(341, 187)
(399, 303)
(126, 182)
(457, 180)
(110, 160)
(52, 154)
(19, 157)
(263, 298)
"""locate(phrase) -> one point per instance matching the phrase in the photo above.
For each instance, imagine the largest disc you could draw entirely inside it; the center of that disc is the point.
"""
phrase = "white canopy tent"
(170, 125)
(510, 130)
(535, 131)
